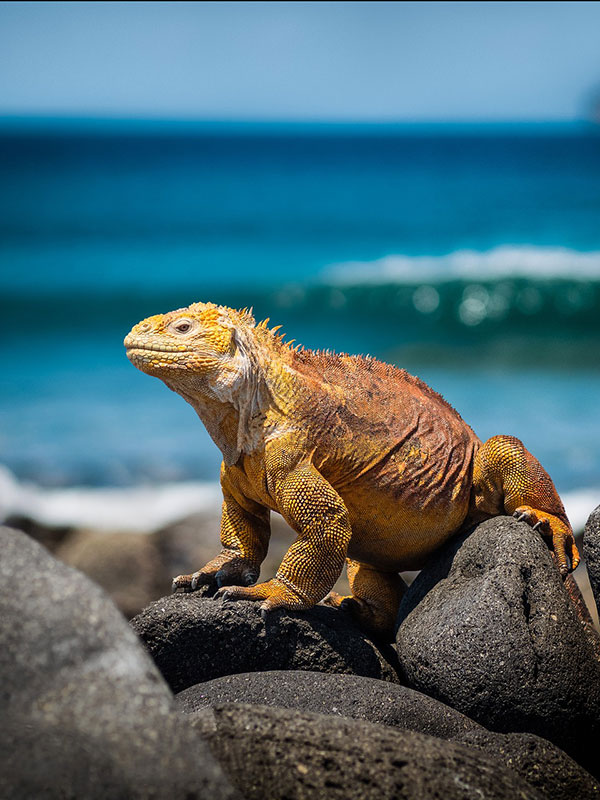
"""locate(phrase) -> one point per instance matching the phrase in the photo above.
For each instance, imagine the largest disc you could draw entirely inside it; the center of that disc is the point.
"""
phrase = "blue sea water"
(468, 255)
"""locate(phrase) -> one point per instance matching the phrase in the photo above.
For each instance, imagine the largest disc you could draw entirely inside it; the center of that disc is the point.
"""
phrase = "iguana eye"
(183, 326)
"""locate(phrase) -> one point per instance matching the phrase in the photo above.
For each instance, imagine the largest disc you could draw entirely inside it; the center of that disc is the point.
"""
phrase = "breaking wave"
(144, 509)
(506, 261)
(140, 509)
(463, 289)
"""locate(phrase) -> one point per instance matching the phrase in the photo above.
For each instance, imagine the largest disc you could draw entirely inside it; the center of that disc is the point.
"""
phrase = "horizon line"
(54, 122)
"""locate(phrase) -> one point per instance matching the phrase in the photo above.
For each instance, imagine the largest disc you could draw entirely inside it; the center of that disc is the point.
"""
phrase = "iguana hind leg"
(374, 600)
(507, 479)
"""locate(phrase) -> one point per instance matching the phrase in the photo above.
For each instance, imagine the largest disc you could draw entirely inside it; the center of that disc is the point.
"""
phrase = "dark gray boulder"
(591, 552)
(85, 713)
(193, 638)
(367, 699)
(283, 755)
(489, 629)
(544, 766)
(536, 760)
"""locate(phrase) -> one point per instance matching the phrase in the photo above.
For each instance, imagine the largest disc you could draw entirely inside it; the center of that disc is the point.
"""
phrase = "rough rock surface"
(591, 552)
(536, 760)
(355, 696)
(279, 753)
(193, 638)
(488, 629)
(84, 711)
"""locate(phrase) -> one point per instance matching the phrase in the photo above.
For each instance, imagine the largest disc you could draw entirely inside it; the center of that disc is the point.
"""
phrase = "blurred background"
(418, 181)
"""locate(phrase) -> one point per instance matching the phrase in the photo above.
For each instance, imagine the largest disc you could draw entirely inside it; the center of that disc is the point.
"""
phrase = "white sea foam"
(142, 509)
(579, 504)
(148, 508)
(539, 263)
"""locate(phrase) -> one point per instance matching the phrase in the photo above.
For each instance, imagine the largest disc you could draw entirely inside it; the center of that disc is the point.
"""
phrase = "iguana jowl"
(365, 462)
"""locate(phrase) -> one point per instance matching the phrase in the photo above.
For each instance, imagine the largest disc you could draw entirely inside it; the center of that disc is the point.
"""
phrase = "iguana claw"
(273, 593)
(563, 543)
(183, 584)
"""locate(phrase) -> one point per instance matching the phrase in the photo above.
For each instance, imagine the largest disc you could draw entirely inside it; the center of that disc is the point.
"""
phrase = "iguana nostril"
(144, 327)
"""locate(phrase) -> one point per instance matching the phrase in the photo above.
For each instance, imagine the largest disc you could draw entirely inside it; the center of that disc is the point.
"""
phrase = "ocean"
(469, 255)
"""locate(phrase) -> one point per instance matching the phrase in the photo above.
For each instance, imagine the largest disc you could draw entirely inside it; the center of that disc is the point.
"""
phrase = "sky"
(344, 61)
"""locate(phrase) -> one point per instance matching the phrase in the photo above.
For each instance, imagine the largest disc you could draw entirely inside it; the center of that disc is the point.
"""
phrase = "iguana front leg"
(245, 538)
(314, 561)
(508, 479)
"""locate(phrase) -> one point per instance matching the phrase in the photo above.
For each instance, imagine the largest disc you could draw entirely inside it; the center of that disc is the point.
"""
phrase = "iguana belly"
(394, 534)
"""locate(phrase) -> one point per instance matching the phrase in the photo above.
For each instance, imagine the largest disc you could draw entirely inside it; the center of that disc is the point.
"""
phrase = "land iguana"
(365, 462)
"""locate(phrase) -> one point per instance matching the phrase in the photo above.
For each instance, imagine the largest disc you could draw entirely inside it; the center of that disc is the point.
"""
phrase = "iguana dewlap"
(365, 462)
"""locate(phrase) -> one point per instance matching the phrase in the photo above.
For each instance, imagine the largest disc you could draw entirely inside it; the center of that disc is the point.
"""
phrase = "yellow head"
(190, 344)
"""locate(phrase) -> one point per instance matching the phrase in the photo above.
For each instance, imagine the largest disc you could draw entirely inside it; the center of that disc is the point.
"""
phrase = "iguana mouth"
(143, 345)
(158, 349)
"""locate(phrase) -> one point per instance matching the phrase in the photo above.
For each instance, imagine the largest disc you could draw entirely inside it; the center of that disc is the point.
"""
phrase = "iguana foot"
(563, 543)
(374, 601)
(508, 479)
(274, 594)
(218, 572)
(370, 618)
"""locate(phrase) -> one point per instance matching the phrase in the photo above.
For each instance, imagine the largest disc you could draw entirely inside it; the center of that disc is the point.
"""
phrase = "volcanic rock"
(489, 629)
(84, 711)
(194, 638)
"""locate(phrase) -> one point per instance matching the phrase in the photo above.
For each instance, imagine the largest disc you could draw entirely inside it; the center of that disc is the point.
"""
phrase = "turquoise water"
(470, 256)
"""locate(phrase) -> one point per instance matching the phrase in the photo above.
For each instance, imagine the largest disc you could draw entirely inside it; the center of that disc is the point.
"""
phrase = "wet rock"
(193, 638)
(536, 760)
(279, 753)
(84, 711)
(489, 629)
(591, 552)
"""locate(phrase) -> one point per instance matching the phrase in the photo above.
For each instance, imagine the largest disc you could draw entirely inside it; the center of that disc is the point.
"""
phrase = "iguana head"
(218, 360)
(191, 346)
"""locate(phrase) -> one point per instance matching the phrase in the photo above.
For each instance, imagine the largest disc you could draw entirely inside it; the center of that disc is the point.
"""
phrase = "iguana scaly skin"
(365, 462)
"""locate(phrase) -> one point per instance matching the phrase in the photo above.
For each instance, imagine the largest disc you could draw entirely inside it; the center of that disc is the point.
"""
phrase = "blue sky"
(306, 61)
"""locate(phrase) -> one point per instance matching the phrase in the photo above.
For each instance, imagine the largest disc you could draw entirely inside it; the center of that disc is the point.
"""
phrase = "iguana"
(364, 461)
